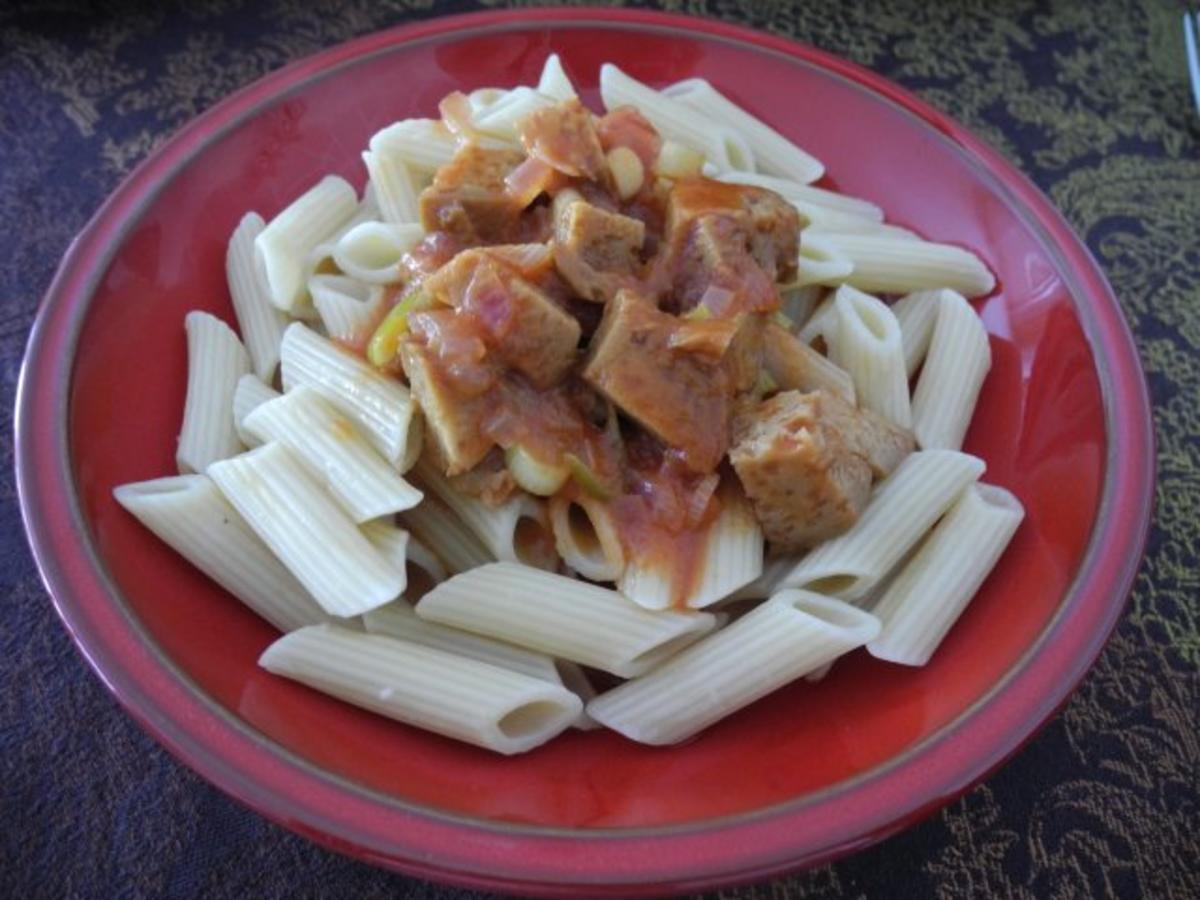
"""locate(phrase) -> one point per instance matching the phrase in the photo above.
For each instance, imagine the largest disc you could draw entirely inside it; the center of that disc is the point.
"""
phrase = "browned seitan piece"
(804, 479)
(769, 223)
(564, 137)
(453, 423)
(807, 462)
(522, 326)
(681, 397)
(596, 251)
(713, 251)
(468, 198)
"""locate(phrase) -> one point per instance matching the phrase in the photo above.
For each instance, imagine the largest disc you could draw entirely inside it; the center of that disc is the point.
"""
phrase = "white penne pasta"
(349, 309)
(852, 208)
(517, 530)
(380, 405)
(898, 265)
(532, 474)
(586, 537)
(286, 245)
(191, 515)
(792, 634)
(399, 620)
(216, 360)
(312, 537)
(249, 393)
(457, 697)
(561, 617)
(820, 264)
(423, 145)
(501, 117)
(554, 82)
(373, 252)
(321, 261)
(260, 322)
(733, 552)
(799, 304)
(775, 569)
(959, 358)
(817, 675)
(854, 227)
(866, 343)
(822, 323)
(902, 508)
(731, 557)
(724, 147)
(335, 453)
(773, 152)
(933, 589)
(916, 313)
(455, 545)
(422, 568)
(394, 187)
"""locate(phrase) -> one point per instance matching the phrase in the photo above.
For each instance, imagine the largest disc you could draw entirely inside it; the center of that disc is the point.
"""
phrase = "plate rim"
(666, 857)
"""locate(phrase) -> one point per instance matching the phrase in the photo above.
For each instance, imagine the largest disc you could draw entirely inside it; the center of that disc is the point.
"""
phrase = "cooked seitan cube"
(564, 137)
(771, 224)
(468, 198)
(711, 262)
(520, 323)
(683, 398)
(596, 251)
(805, 482)
(879, 442)
(454, 423)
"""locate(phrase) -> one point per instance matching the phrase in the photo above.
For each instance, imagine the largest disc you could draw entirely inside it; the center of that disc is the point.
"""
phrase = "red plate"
(808, 773)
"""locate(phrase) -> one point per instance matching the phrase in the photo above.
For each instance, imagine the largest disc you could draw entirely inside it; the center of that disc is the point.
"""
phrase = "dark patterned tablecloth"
(1089, 99)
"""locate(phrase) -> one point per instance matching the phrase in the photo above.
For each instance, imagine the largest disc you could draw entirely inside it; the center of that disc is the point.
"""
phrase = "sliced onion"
(528, 180)
(456, 112)
(716, 299)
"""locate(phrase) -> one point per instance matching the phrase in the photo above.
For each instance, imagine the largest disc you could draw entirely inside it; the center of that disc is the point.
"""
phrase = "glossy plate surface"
(810, 772)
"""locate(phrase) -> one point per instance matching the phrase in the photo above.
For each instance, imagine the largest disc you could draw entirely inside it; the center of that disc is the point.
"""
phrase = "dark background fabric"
(1089, 99)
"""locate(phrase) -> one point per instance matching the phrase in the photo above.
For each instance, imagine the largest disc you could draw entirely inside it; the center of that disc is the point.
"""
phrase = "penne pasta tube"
(775, 569)
(335, 453)
(249, 393)
(898, 265)
(916, 314)
(423, 145)
(451, 695)
(852, 208)
(723, 146)
(800, 303)
(561, 617)
(373, 252)
(439, 529)
(517, 530)
(820, 263)
(312, 537)
(349, 309)
(933, 589)
(394, 188)
(554, 82)
(422, 568)
(902, 508)
(959, 358)
(216, 360)
(866, 343)
(399, 620)
(191, 515)
(793, 365)
(773, 152)
(285, 246)
(822, 323)
(380, 405)
(259, 321)
(732, 557)
(792, 634)
(585, 536)
(500, 118)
